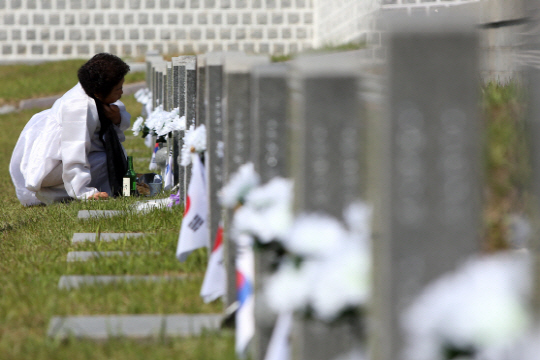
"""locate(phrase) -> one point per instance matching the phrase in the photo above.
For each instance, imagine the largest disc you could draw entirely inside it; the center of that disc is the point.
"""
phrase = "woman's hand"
(99, 196)
(113, 113)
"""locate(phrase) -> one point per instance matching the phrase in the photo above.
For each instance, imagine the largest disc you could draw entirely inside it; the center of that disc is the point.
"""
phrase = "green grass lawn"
(24, 81)
(34, 242)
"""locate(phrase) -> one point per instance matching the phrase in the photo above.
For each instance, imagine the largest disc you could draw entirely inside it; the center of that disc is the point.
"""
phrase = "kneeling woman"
(74, 150)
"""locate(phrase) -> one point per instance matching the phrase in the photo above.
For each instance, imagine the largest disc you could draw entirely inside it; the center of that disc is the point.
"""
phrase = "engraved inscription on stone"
(319, 165)
(454, 167)
(271, 145)
(410, 145)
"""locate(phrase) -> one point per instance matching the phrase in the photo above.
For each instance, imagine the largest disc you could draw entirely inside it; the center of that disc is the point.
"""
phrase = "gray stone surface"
(161, 72)
(102, 327)
(501, 10)
(89, 255)
(269, 129)
(236, 138)
(191, 90)
(214, 139)
(179, 172)
(314, 339)
(86, 214)
(328, 132)
(159, 67)
(269, 149)
(191, 105)
(69, 282)
(328, 138)
(81, 237)
(172, 141)
(180, 64)
(202, 100)
(149, 58)
(427, 184)
(168, 88)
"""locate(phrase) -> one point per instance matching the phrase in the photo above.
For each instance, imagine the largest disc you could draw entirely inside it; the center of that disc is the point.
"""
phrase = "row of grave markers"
(405, 135)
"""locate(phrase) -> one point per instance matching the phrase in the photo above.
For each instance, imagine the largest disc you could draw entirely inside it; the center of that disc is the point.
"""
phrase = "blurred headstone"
(327, 137)
(202, 101)
(427, 186)
(190, 104)
(269, 96)
(214, 139)
(236, 139)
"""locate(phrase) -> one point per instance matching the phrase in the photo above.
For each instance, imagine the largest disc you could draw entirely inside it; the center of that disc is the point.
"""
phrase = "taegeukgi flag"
(215, 279)
(194, 232)
(245, 314)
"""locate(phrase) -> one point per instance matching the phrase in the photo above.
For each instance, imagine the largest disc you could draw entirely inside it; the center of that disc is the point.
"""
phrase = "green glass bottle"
(129, 183)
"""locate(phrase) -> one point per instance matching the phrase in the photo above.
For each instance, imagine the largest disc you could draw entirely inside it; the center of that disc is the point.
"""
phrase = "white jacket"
(59, 154)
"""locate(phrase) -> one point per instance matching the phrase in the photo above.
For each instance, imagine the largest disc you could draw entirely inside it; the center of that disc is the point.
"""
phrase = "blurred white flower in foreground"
(172, 122)
(342, 281)
(194, 142)
(155, 118)
(239, 185)
(332, 266)
(163, 122)
(267, 211)
(143, 96)
(138, 126)
(288, 289)
(315, 235)
(480, 305)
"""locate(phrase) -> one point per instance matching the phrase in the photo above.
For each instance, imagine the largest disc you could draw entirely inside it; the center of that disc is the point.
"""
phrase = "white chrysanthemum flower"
(138, 126)
(315, 235)
(268, 224)
(156, 118)
(139, 92)
(288, 288)
(276, 191)
(194, 141)
(143, 96)
(267, 211)
(246, 220)
(525, 348)
(239, 185)
(480, 305)
(342, 281)
(172, 122)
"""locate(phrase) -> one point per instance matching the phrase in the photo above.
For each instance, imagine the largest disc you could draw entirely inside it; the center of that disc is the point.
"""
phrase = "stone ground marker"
(68, 282)
(102, 327)
(82, 237)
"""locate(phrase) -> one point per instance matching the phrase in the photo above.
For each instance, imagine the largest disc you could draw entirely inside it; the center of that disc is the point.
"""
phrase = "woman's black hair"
(101, 73)
(98, 77)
